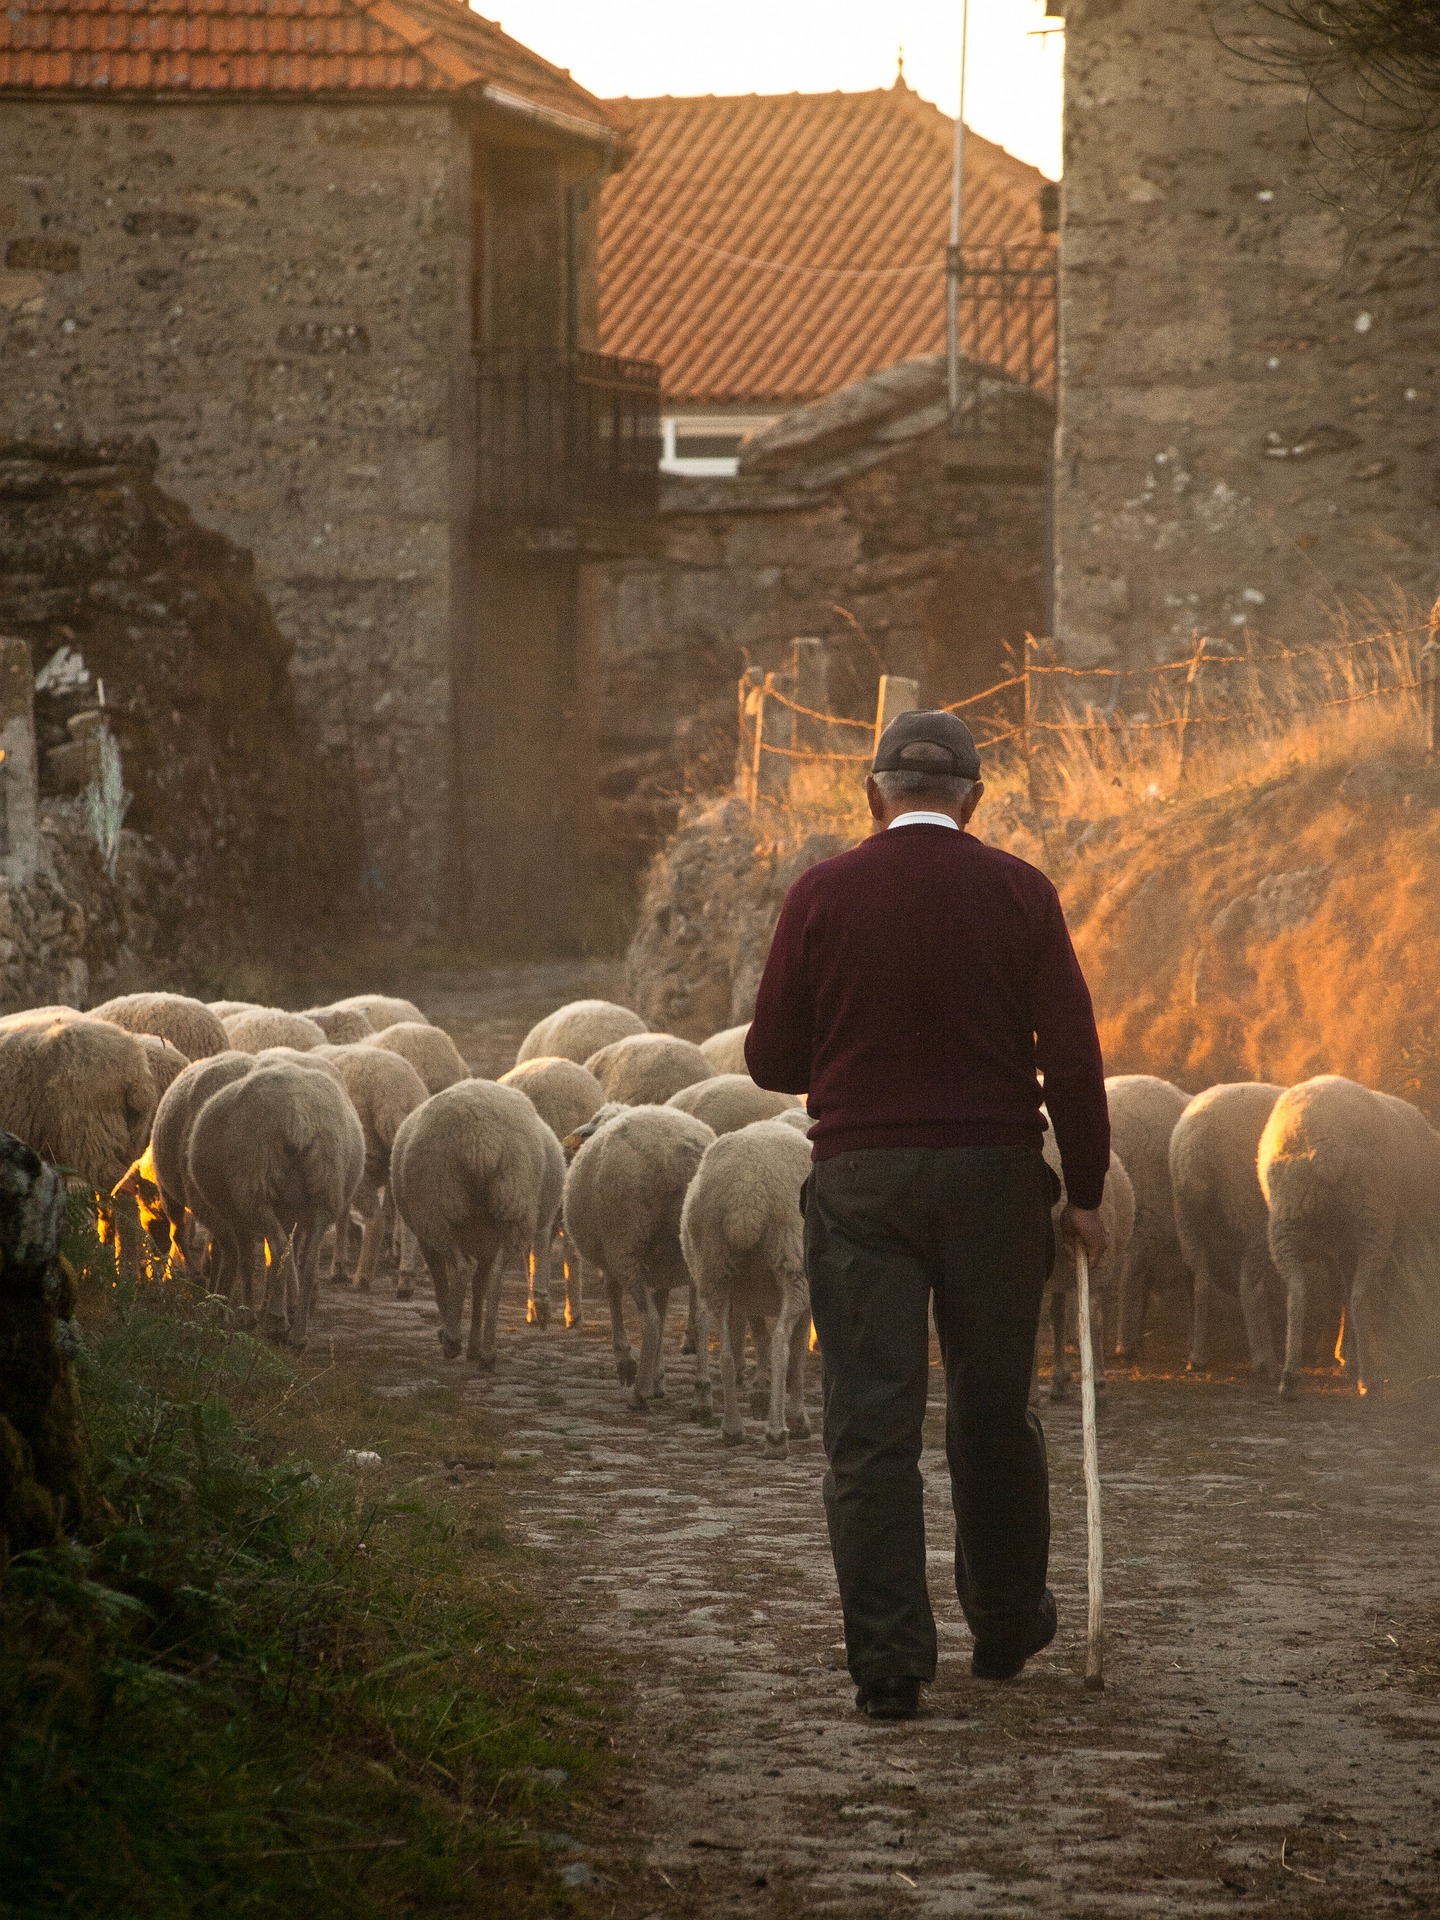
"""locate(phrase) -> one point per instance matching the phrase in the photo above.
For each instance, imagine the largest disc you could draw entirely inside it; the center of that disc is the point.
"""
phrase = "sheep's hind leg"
(306, 1254)
(687, 1344)
(378, 1229)
(275, 1309)
(447, 1271)
(760, 1336)
(1255, 1271)
(732, 1429)
(704, 1386)
(1293, 1268)
(653, 1329)
(485, 1309)
(574, 1269)
(625, 1367)
(411, 1260)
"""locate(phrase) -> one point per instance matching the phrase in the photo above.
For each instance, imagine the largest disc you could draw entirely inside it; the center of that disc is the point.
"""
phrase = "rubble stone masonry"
(276, 292)
(1250, 369)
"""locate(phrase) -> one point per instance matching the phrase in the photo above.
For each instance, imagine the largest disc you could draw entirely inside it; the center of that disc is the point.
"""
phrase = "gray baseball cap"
(928, 727)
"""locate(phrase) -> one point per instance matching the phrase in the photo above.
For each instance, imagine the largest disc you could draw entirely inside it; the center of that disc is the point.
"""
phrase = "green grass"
(255, 1689)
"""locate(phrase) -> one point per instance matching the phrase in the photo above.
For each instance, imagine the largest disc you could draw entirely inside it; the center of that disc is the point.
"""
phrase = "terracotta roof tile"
(278, 46)
(771, 248)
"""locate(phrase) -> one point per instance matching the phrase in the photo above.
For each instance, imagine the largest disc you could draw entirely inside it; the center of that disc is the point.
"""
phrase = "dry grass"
(1265, 908)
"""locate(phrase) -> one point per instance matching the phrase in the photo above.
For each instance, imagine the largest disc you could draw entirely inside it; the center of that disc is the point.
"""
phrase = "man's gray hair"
(948, 788)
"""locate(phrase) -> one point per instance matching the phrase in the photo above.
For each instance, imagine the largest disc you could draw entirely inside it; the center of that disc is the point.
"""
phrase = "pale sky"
(644, 47)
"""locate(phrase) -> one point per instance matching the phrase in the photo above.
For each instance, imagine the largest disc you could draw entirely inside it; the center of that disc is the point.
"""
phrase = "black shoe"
(897, 1698)
(1002, 1658)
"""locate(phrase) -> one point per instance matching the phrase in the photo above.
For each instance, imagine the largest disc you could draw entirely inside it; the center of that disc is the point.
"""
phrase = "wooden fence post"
(810, 676)
(1027, 724)
(897, 696)
(1430, 694)
(1190, 678)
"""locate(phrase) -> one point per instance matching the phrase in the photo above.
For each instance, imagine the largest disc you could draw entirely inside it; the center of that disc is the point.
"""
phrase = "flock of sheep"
(253, 1139)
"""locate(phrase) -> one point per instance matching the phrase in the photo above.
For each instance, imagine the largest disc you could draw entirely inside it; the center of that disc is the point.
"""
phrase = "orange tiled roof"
(814, 186)
(278, 46)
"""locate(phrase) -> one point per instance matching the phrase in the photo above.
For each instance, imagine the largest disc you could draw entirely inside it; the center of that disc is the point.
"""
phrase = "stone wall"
(277, 294)
(861, 519)
(150, 630)
(1250, 370)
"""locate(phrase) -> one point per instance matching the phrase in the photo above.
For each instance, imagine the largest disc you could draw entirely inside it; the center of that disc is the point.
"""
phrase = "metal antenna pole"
(953, 266)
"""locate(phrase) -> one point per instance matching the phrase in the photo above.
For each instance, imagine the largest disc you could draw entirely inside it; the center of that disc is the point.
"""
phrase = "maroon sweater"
(915, 987)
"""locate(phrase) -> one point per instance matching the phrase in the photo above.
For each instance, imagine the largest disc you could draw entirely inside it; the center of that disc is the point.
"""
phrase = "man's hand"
(1085, 1226)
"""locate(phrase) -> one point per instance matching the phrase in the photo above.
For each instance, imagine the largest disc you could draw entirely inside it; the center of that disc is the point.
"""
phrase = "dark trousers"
(884, 1230)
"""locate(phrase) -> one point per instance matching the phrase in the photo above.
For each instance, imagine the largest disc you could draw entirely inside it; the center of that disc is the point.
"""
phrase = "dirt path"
(1269, 1741)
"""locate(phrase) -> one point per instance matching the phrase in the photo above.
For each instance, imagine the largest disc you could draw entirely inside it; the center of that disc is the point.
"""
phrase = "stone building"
(1250, 371)
(909, 542)
(783, 258)
(337, 259)
(768, 249)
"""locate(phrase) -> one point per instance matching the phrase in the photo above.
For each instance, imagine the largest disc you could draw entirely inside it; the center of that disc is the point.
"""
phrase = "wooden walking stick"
(1095, 1546)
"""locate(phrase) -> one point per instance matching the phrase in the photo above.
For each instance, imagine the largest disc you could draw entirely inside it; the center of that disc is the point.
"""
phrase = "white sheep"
(1143, 1112)
(381, 1009)
(623, 1199)
(189, 1025)
(646, 1068)
(731, 1101)
(471, 1171)
(275, 1158)
(430, 1050)
(726, 1050)
(166, 1063)
(384, 1090)
(170, 1141)
(263, 1027)
(575, 1031)
(222, 1009)
(1352, 1178)
(743, 1238)
(564, 1093)
(342, 1026)
(565, 1096)
(1107, 1275)
(79, 1091)
(1221, 1219)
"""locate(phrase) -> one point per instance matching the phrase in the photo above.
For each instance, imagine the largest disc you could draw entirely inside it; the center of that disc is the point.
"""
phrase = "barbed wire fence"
(792, 746)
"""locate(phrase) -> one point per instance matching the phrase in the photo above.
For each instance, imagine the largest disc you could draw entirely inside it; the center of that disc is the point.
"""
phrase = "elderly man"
(919, 988)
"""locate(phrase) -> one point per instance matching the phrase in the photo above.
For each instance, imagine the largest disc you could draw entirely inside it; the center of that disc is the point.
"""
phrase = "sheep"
(564, 1093)
(380, 1009)
(472, 1171)
(742, 1234)
(170, 1139)
(189, 1025)
(1143, 1112)
(623, 1200)
(1221, 1219)
(796, 1117)
(384, 1090)
(726, 1051)
(565, 1096)
(1107, 1275)
(731, 1101)
(342, 1026)
(646, 1068)
(166, 1063)
(576, 1031)
(430, 1050)
(1352, 1179)
(550, 1226)
(77, 1090)
(222, 1009)
(276, 1156)
(272, 1027)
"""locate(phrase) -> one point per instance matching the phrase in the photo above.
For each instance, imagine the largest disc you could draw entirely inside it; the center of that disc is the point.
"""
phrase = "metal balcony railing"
(571, 438)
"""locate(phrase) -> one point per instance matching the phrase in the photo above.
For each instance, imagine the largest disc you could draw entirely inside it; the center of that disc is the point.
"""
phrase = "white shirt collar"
(920, 819)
